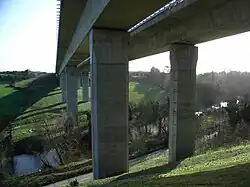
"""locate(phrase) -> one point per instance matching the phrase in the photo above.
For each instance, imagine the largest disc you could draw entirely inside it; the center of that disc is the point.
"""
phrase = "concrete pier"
(109, 102)
(183, 60)
(63, 86)
(72, 79)
(85, 86)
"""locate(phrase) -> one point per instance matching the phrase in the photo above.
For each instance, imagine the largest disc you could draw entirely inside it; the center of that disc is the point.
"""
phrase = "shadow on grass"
(155, 170)
(44, 108)
(157, 151)
(14, 104)
(54, 110)
(231, 176)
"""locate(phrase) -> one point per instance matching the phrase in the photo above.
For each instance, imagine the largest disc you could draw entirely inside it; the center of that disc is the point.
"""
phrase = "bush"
(221, 127)
(74, 183)
(148, 126)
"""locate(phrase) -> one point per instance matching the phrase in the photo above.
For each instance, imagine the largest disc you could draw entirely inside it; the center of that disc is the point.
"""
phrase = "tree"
(156, 78)
(207, 95)
(155, 70)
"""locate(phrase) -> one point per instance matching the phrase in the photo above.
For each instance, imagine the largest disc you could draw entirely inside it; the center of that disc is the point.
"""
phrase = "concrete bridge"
(101, 36)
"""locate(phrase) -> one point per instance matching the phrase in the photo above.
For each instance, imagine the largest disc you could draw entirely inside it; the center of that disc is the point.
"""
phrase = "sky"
(28, 40)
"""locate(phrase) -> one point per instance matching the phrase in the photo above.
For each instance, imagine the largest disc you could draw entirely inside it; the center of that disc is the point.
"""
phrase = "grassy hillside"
(222, 167)
(11, 102)
(24, 83)
(47, 108)
(18, 97)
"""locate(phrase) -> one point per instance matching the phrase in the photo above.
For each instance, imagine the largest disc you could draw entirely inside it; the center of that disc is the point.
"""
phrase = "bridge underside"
(199, 22)
(99, 31)
(190, 22)
(78, 17)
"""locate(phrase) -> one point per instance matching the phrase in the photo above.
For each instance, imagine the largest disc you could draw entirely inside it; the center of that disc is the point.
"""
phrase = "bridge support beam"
(85, 86)
(109, 102)
(63, 86)
(79, 82)
(72, 80)
(183, 60)
(90, 87)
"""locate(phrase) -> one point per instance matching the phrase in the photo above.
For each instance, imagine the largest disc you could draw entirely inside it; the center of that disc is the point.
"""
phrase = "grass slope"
(15, 99)
(24, 83)
(47, 108)
(11, 100)
(222, 167)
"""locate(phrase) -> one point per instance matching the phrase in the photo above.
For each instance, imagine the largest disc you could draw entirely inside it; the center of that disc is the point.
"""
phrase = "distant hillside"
(231, 84)
(211, 88)
(14, 76)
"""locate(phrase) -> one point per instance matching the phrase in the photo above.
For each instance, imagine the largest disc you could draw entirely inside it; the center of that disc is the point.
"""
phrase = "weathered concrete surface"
(109, 101)
(191, 22)
(63, 86)
(183, 60)
(85, 86)
(79, 82)
(72, 77)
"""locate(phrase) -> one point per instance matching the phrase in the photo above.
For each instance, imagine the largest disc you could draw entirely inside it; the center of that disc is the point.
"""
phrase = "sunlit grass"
(222, 167)
(24, 83)
(5, 90)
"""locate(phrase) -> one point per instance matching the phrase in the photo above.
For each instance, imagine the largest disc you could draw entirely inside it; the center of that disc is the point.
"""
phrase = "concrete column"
(72, 85)
(79, 82)
(63, 86)
(109, 102)
(90, 87)
(85, 86)
(183, 60)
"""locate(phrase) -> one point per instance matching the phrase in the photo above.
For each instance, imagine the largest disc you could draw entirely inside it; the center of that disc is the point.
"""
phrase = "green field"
(228, 166)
